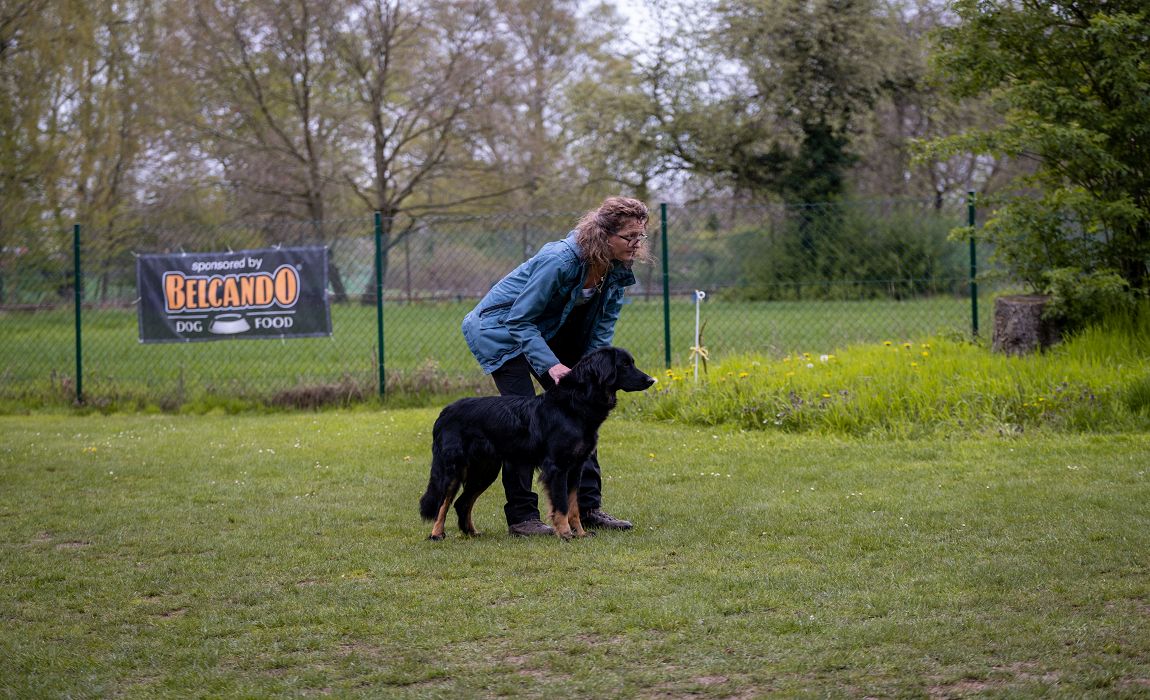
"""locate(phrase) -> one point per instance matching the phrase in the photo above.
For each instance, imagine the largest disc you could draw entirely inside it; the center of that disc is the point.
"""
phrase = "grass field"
(425, 351)
(256, 556)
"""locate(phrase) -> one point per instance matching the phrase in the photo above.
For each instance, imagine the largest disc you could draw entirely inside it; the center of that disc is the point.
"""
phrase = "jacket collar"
(570, 241)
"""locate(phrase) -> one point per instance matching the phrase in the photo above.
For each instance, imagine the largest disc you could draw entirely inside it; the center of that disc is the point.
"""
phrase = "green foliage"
(1078, 299)
(784, 122)
(1072, 85)
(849, 252)
(1137, 395)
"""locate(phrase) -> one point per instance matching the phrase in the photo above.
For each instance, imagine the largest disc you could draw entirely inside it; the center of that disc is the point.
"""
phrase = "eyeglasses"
(633, 240)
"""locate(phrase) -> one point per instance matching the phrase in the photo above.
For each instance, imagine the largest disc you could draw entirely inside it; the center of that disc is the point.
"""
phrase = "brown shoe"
(527, 528)
(598, 518)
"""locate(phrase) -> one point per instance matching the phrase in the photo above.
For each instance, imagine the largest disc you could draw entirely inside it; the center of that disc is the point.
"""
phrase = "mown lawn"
(255, 556)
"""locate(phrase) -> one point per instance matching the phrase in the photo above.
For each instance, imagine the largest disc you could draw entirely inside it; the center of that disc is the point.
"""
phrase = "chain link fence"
(777, 280)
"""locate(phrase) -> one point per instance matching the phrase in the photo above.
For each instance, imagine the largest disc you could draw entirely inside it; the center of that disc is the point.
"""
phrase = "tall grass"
(1097, 381)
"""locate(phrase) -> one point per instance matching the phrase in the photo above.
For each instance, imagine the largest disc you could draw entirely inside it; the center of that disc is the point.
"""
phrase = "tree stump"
(1019, 328)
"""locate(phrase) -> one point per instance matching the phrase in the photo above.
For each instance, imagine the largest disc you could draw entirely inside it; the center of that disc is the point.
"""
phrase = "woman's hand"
(558, 371)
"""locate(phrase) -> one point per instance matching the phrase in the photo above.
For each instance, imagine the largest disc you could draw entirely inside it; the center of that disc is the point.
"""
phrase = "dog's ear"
(603, 366)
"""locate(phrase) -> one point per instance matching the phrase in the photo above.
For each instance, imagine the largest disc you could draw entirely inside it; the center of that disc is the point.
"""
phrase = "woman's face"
(627, 241)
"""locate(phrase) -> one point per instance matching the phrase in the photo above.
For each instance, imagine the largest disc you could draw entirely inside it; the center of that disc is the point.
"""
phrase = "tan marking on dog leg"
(467, 523)
(437, 530)
(573, 514)
(561, 524)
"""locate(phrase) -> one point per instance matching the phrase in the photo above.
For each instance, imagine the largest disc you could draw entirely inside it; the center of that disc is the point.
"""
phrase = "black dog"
(555, 432)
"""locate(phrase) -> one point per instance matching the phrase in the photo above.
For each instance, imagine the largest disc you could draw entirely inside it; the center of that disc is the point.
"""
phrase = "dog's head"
(605, 371)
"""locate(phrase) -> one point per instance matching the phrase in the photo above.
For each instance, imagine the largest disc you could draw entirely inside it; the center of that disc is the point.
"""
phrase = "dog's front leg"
(573, 513)
(574, 476)
(562, 524)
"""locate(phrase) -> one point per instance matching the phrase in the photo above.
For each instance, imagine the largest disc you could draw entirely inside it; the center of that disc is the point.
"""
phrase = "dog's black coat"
(555, 432)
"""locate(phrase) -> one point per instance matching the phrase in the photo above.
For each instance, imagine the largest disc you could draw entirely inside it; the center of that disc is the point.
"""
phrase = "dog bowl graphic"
(229, 324)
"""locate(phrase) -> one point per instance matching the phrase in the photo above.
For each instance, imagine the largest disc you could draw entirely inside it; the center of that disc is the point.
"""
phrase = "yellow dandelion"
(790, 374)
(826, 396)
(914, 365)
(744, 375)
(906, 345)
(887, 343)
(925, 353)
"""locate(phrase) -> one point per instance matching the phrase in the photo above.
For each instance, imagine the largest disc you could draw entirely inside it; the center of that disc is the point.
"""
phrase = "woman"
(545, 315)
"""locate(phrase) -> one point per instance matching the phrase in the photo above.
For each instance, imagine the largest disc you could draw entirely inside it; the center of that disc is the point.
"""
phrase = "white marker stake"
(698, 350)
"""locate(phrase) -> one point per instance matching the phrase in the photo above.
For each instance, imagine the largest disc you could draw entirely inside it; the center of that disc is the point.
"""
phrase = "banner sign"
(275, 293)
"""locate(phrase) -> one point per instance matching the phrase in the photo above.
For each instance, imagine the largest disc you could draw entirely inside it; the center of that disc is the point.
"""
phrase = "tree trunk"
(335, 279)
(1019, 328)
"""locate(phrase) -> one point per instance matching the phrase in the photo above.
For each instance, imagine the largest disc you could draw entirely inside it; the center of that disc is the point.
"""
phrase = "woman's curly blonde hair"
(596, 227)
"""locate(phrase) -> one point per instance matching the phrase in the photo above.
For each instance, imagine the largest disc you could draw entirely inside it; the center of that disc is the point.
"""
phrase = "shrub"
(849, 252)
(1078, 299)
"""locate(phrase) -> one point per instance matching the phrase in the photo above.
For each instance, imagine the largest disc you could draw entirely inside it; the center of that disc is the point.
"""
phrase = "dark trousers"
(514, 379)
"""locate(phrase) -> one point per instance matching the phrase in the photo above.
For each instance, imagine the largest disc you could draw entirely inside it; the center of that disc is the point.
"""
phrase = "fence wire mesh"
(777, 280)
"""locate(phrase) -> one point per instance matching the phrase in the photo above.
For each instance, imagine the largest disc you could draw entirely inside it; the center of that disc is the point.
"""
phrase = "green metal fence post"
(379, 299)
(78, 294)
(970, 217)
(666, 288)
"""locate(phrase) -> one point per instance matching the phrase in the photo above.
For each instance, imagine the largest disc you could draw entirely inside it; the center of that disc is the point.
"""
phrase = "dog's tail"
(444, 475)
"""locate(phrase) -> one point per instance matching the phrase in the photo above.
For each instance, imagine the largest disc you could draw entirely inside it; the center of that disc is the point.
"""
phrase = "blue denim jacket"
(527, 307)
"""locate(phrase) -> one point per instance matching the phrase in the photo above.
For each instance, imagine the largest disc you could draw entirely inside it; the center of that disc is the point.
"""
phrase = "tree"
(24, 67)
(269, 104)
(25, 64)
(75, 120)
(541, 42)
(620, 112)
(809, 70)
(415, 72)
(1070, 78)
(910, 108)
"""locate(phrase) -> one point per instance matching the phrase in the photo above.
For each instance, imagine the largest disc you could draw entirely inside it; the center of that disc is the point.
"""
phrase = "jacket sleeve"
(544, 285)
